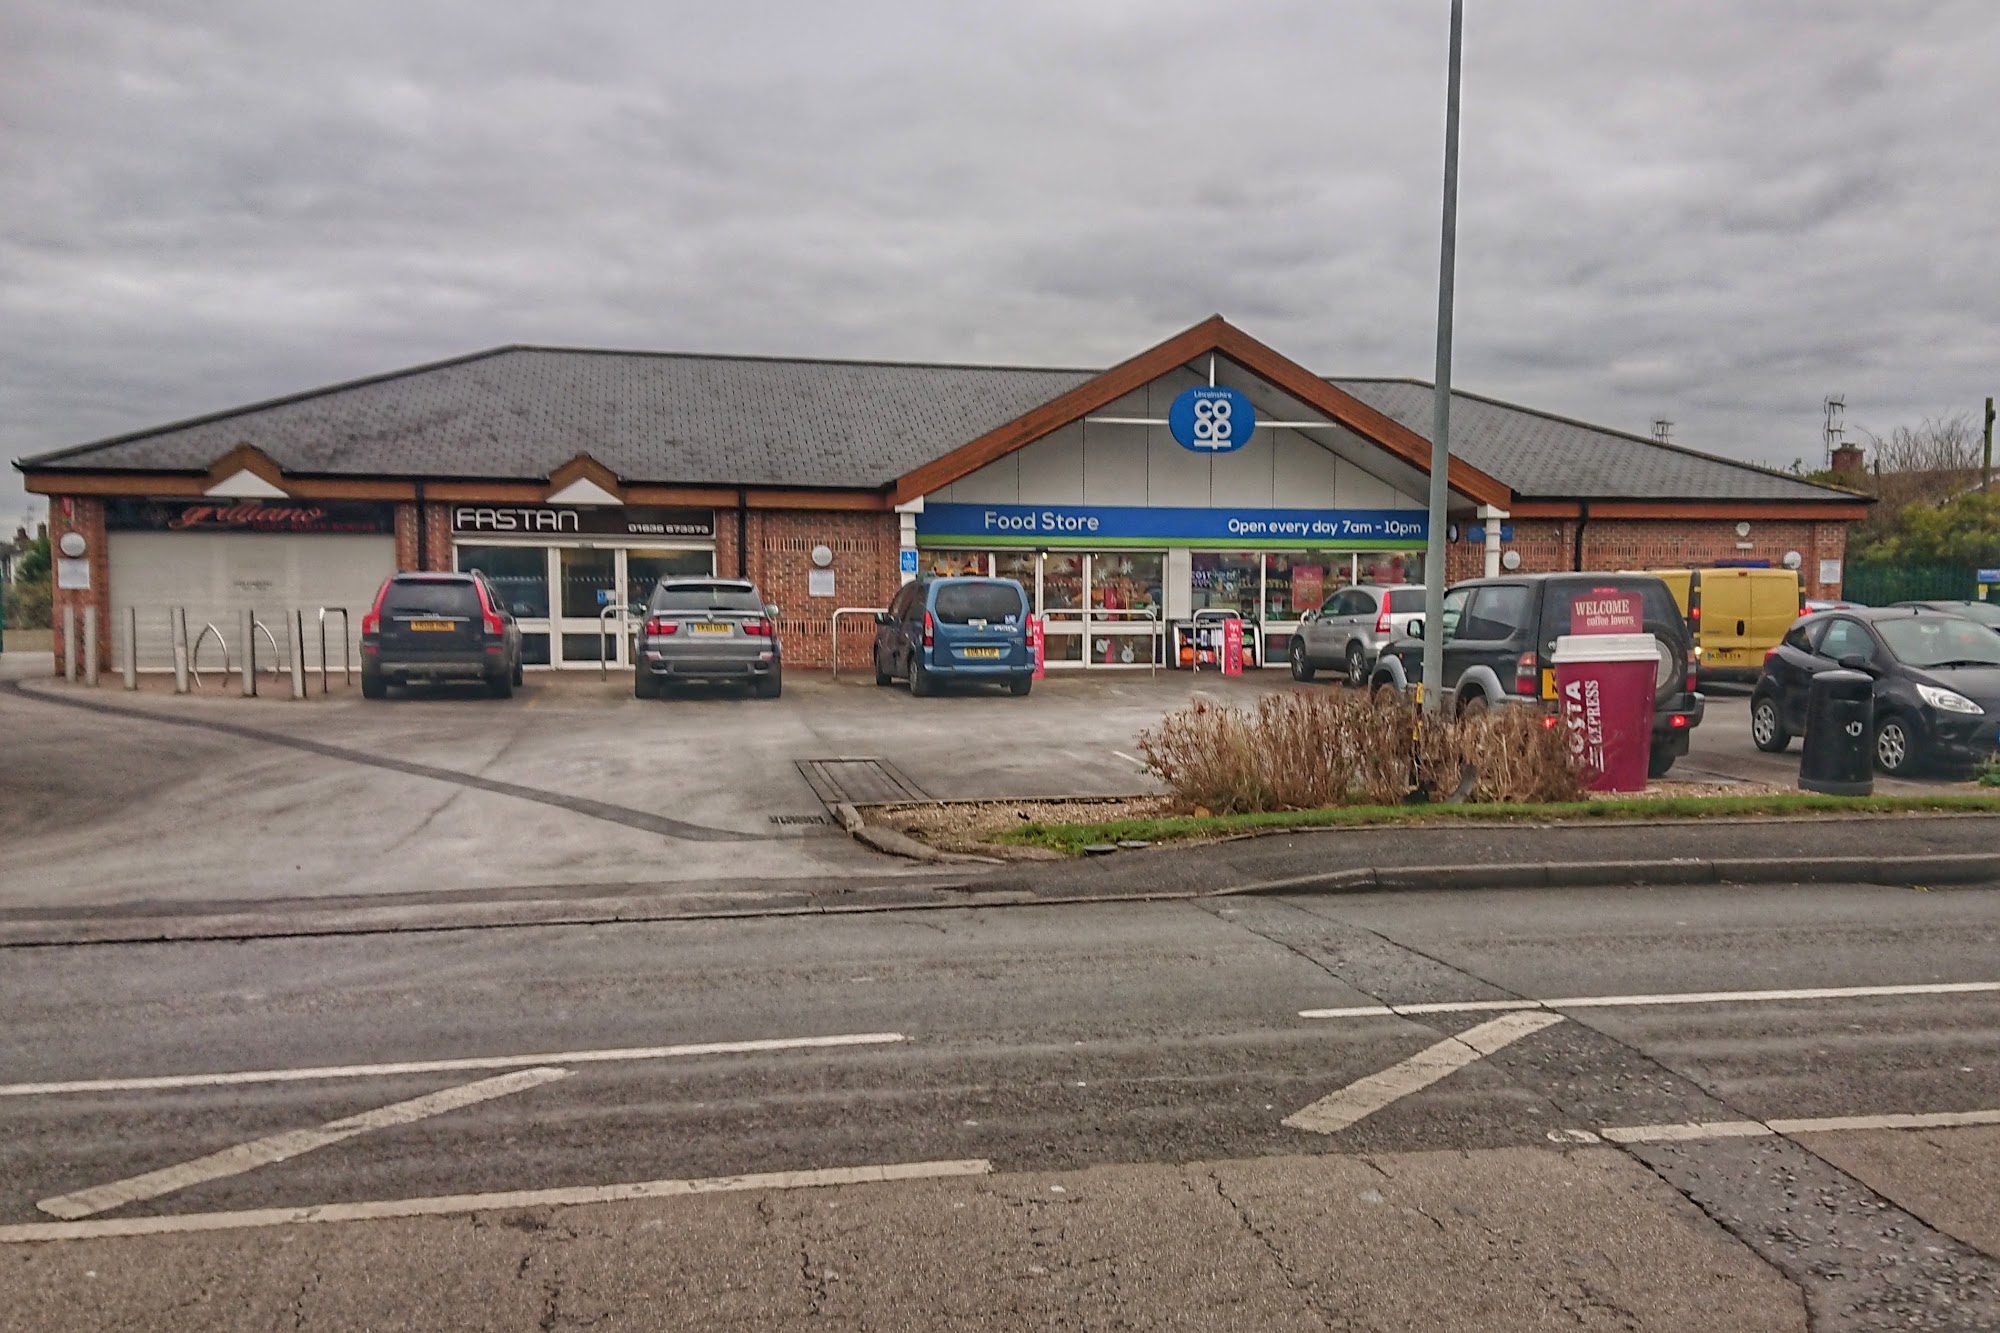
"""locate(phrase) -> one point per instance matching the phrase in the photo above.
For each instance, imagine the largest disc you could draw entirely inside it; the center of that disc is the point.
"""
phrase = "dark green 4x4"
(1500, 642)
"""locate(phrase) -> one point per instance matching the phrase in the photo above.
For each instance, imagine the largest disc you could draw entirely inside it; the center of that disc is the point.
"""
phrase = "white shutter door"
(217, 575)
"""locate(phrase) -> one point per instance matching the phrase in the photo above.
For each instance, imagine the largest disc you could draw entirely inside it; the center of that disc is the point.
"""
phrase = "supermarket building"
(1127, 501)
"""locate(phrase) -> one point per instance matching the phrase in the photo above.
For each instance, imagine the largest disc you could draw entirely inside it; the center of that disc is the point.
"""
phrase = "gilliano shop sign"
(125, 514)
(561, 521)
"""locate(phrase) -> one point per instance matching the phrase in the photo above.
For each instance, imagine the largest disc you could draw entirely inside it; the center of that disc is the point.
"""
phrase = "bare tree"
(1928, 463)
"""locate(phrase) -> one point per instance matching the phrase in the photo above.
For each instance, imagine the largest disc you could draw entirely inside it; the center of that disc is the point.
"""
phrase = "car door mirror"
(1415, 628)
(1857, 662)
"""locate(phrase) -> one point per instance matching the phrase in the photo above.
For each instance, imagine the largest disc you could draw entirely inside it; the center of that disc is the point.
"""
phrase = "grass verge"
(1073, 838)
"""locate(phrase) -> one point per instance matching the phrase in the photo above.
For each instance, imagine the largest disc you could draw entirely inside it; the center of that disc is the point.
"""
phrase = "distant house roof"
(689, 419)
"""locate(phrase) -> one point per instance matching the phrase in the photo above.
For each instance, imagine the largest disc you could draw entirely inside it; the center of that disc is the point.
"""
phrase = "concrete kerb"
(1902, 871)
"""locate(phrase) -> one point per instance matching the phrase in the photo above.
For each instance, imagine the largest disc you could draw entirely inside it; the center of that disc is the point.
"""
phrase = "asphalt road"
(1086, 1050)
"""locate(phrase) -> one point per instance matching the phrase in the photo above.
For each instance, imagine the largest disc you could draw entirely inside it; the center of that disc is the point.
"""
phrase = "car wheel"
(773, 685)
(645, 685)
(1767, 728)
(373, 686)
(502, 685)
(1472, 704)
(1895, 747)
(520, 676)
(1357, 669)
(882, 677)
(1386, 692)
(920, 681)
(1020, 685)
(1660, 762)
(1302, 667)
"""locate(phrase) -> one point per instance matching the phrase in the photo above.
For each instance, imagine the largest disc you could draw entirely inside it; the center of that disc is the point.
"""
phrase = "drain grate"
(859, 781)
(792, 820)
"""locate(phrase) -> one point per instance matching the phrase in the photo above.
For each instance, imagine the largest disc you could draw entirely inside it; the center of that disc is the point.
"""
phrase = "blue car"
(939, 630)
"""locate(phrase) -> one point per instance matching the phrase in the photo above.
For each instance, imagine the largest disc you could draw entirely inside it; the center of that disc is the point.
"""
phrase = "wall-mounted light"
(1510, 560)
(1793, 560)
(822, 555)
(1743, 529)
(73, 545)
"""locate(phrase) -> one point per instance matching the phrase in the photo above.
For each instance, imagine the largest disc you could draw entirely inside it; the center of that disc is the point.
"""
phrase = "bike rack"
(346, 642)
(604, 636)
(250, 657)
(194, 654)
(848, 611)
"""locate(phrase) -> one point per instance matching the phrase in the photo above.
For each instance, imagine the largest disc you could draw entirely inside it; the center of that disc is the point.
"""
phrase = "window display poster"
(1308, 587)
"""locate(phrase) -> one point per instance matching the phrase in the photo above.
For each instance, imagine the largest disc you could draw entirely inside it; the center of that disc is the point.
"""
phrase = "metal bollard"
(131, 647)
(177, 634)
(69, 643)
(90, 645)
(295, 637)
(249, 654)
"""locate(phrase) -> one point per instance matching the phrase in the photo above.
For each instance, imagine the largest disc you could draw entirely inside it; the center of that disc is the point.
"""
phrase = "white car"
(1347, 634)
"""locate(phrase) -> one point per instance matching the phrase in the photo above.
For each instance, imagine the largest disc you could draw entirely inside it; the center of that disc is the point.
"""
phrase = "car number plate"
(433, 625)
(981, 652)
(709, 629)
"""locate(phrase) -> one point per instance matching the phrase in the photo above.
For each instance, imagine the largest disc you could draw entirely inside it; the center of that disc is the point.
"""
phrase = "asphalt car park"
(572, 781)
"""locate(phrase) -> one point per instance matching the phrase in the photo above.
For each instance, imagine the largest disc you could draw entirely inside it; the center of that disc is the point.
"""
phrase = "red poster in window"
(1308, 587)
(1232, 647)
(1606, 611)
(1035, 642)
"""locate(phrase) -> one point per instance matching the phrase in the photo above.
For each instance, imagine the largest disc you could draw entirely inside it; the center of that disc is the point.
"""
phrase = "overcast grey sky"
(1716, 212)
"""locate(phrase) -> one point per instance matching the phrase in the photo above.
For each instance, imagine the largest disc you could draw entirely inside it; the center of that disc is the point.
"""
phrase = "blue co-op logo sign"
(1211, 420)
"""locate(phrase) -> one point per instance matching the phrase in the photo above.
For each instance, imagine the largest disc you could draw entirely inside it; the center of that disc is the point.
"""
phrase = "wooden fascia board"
(247, 457)
(1802, 512)
(163, 485)
(1211, 335)
(586, 467)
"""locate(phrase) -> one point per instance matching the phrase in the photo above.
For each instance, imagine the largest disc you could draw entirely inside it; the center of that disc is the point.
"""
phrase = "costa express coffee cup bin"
(1604, 689)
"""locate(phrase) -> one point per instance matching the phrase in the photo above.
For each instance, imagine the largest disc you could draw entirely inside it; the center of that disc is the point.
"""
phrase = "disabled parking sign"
(908, 561)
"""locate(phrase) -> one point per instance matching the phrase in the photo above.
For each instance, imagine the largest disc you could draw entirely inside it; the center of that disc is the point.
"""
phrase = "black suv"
(1500, 642)
(439, 627)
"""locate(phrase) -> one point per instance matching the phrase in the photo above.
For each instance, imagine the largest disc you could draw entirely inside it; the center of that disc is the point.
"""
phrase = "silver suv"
(708, 629)
(1347, 634)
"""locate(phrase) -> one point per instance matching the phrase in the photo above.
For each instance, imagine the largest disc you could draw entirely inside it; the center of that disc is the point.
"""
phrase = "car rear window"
(962, 603)
(706, 597)
(431, 597)
(1406, 601)
(1656, 604)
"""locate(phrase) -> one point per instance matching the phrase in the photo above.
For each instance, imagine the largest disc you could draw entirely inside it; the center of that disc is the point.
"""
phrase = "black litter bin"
(1839, 752)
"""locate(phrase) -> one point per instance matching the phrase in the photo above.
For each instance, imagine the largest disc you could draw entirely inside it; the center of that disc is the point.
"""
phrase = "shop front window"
(589, 580)
(645, 568)
(1391, 567)
(1296, 582)
(1126, 581)
(518, 573)
(1227, 581)
(951, 564)
(1018, 566)
(1062, 582)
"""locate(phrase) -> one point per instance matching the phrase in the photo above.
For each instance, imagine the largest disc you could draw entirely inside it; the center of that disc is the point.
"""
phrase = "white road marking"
(436, 1205)
(1131, 759)
(1645, 1001)
(1362, 1098)
(1748, 1129)
(279, 1147)
(307, 1074)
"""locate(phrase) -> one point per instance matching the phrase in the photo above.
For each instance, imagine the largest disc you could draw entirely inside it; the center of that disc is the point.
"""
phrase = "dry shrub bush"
(1307, 749)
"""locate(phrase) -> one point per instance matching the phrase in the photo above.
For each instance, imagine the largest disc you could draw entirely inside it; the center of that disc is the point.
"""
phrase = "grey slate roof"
(662, 418)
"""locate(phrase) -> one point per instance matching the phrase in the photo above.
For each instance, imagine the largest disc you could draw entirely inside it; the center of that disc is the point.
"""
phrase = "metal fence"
(1884, 585)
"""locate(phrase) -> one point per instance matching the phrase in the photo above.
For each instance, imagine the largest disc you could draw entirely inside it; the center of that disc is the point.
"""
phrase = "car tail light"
(1770, 653)
(758, 628)
(930, 631)
(655, 625)
(1382, 621)
(1550, 721)
(1525, 675)
(371, 623)
(494, 624)
(1694, 613)
(1678, 721)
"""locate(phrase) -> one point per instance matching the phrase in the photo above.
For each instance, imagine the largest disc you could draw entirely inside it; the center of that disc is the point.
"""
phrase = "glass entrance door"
(586, 583)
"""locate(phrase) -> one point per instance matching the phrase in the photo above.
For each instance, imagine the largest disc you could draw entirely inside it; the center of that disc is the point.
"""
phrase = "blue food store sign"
(1223, 529)
(1211, 419)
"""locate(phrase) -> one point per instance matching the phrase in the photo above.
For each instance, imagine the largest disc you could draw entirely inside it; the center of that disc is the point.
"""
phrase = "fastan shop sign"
(565, 521)
(126, 514)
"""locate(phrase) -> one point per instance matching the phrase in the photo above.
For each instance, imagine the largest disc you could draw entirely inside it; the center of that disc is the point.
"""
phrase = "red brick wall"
(437, 536)
(85, 515)
(864, 549)
(1549, 544)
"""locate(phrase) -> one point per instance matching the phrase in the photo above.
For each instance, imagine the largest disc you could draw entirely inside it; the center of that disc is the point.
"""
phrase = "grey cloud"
(1716, 212)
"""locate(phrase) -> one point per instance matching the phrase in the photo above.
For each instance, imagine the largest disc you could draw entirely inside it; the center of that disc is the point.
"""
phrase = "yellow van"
(1735, 616)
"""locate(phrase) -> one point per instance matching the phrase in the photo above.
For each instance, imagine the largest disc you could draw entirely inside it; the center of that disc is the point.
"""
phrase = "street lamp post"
(1434, 554)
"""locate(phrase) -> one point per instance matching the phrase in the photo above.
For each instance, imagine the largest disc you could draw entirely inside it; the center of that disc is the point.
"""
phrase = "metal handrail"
(848, 611)
(346, 642)
(194, 654)
(620, 610)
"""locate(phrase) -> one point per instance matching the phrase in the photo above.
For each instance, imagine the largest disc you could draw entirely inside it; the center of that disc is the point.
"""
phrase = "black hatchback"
(439, 627)
(1937, 684)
